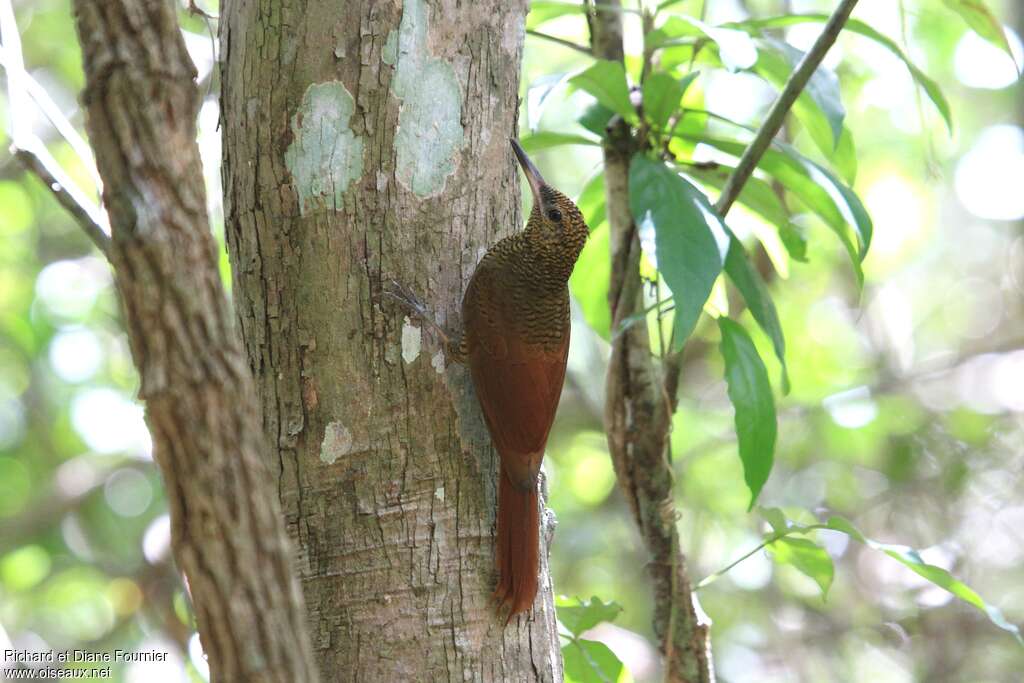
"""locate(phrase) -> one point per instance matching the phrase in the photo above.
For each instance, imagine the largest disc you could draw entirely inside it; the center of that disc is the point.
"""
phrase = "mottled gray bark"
(227, 529)
(362, 142)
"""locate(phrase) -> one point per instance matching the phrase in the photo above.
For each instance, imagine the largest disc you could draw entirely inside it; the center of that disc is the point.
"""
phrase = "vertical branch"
(640, 399)
(638, 413)
(227, 531)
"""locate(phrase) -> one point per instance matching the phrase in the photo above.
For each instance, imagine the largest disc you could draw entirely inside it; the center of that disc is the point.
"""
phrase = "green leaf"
(689, 237)
(911, 559)
(751, 396)
(981, 20)
(735, 48)
(590, 280)
(755, 293)
(537, 95)
(588, 661)
(775, 517)
(807, 557)
(794, 241)
(819, 107)
(606, 81)
(595, 118)
(591, 201)
(662, 94)
(542, 11)
(758, 196)
(579, 616)
(930, 87)
(818, 188)
(546, 139)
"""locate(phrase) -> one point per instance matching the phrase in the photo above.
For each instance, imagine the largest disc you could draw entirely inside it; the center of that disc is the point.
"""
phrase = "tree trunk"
(367, 142)
(227, 532)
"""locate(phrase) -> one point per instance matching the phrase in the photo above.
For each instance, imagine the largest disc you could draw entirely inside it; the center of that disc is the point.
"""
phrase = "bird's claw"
(405, 297)
(416, 308)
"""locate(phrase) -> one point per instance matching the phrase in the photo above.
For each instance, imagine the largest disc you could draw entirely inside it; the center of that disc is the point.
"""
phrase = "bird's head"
(555, 222)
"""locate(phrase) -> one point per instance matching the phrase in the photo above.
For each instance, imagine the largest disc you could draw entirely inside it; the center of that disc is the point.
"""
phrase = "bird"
(515, 340)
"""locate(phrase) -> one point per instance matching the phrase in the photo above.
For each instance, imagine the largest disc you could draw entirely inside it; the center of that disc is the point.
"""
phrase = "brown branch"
(30, 151)
(638, 413)
(641, 397)
(777, 116)
(90, 218)
(227, 529)
(559, 41)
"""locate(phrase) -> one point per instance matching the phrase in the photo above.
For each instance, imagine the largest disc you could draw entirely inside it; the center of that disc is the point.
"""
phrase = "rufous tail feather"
(517, 547)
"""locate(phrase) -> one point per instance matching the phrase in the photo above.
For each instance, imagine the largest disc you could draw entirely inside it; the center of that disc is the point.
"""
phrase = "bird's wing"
(517, 383)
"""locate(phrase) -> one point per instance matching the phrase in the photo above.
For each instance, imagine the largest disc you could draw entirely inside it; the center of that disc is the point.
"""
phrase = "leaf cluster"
(688, 152)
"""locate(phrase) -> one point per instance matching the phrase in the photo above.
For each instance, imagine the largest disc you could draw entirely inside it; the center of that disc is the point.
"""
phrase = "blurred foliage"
(905, 372)
(906, 401)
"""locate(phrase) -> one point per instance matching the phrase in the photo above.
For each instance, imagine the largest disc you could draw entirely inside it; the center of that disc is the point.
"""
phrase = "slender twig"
(711, 578)
(60, 122)
(647, 21)
(777, 116)
(195, 10)
(559, 41)
(192, 8)
(89, 217)
(30, 150)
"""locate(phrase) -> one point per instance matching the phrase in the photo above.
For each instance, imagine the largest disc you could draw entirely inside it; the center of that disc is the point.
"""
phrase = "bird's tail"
(517, 549)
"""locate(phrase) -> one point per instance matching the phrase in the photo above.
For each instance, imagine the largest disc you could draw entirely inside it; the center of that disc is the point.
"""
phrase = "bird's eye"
(555, 215)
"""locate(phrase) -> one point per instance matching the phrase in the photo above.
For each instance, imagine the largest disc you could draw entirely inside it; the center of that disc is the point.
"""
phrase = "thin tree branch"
(228, 533)
(89, 217)
(711, 578)
(52, 111)
(777, 116)
(30, 150)
(195, 10)
(764, 138)
(560, 41)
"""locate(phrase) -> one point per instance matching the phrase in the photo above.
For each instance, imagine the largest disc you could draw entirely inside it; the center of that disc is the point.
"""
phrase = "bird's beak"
(533, 176)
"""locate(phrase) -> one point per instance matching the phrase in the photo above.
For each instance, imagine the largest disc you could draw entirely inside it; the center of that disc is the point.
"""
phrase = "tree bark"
(227, 530)
(364, 143)
(640, 401)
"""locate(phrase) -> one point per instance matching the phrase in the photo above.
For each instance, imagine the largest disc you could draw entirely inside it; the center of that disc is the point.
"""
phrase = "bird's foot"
(418, 309)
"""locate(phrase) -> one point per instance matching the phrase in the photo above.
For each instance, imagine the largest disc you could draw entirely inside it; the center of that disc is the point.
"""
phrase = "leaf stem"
(711, 578)
(560, 41)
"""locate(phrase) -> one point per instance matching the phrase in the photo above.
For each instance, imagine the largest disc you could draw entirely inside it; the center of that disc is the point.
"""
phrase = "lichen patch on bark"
(430, 121)
(412, 341)
(437, 362)
(337, 442)
(389, 54)
(325, 156)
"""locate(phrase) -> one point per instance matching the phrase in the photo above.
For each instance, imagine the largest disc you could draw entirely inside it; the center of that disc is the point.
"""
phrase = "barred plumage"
(516, 340)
